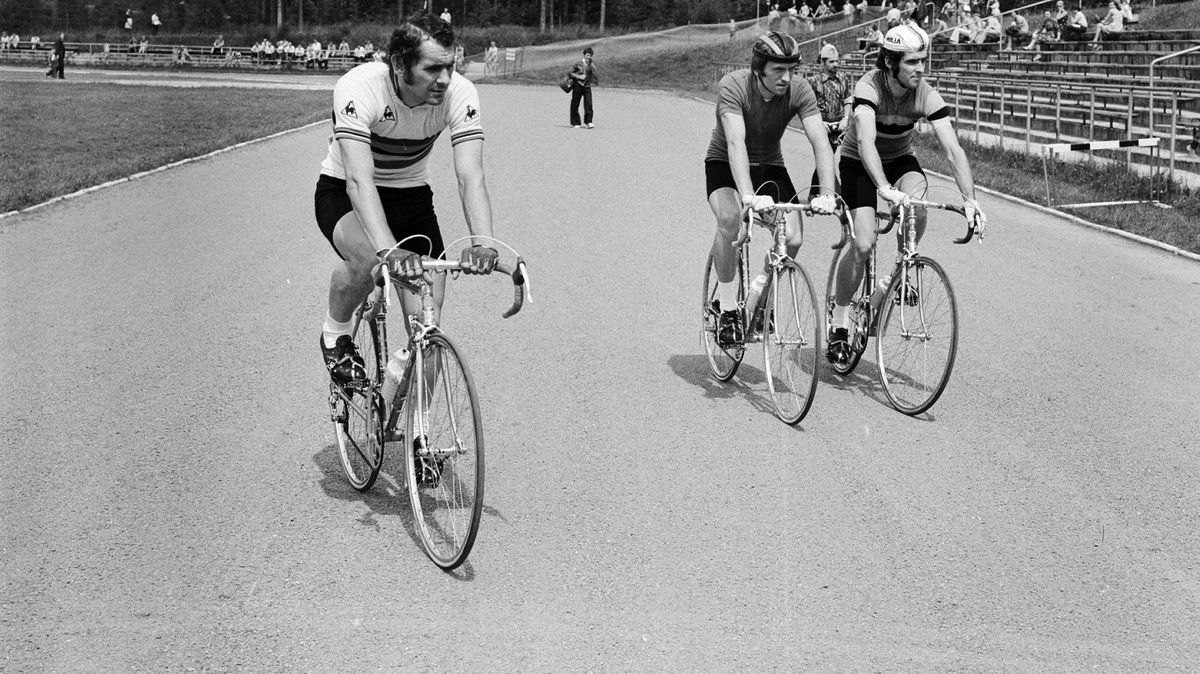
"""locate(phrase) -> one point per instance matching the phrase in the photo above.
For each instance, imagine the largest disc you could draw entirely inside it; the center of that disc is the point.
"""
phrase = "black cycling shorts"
(778, 184)
(857, 187)
(409, 210)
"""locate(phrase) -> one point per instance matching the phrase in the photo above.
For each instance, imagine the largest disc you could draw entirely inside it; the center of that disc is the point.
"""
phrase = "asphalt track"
(171, 499)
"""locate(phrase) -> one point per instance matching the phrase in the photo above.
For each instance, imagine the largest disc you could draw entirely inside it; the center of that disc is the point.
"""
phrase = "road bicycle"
(431, 410)
(911, 313)
(785, 318)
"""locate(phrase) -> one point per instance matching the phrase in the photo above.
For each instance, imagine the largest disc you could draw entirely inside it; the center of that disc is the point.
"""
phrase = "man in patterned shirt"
(833, 99)
(374, 186)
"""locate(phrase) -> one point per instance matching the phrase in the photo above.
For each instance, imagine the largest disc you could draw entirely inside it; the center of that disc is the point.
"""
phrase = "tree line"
(214, 15)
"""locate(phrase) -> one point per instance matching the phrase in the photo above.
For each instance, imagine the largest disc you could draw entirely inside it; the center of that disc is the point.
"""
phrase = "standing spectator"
(584, 75)
(1077, 25)
(732, 28)
(1113, 22)
(833, 100)
(860, 10)
(4, 41)
(773, 17)
(491, 59)
(446, 14)
(894, 17)
(155, 23)
(459, 57)
(58, 58)
(1018, 30)
(129, 23)
(848, 13)
(218, 46)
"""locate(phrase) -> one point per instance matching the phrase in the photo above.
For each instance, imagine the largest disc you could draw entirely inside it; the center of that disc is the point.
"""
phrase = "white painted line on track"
(152, 171)
(1050, 211)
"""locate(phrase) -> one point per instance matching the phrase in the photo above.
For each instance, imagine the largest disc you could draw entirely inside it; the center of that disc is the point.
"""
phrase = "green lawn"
(59, 138)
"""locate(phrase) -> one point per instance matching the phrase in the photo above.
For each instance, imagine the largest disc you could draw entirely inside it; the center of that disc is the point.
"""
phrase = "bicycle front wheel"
(918, 336)
(445, 460)
(723, 359)
(359, 423)
(791, 342)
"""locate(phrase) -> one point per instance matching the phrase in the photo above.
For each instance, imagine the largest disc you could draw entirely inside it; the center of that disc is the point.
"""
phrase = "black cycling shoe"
(838, 348)
(729, 330)
(343, 362)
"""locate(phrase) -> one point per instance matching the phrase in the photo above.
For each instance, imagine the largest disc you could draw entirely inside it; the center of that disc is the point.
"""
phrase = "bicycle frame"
(773, 260)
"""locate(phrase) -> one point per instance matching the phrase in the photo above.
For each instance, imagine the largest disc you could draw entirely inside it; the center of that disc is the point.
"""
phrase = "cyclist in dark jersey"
(754, 108)
(877, 159)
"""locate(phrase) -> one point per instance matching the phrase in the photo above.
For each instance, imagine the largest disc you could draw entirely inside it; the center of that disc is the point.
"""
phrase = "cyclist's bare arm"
(364, 196)
(472, 187)
(956, 156)
(818, 137)
(735, 148)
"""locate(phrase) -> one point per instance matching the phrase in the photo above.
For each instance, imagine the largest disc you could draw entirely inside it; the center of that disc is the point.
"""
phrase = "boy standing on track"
(374, 187)
(877, 158)
(754, 108)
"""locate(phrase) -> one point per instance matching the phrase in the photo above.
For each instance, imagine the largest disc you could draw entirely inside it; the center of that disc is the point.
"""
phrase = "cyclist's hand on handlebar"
(403, 263)
(479, 259)
(975, 216)
(892, 195)
(758, 202)
(823, 204)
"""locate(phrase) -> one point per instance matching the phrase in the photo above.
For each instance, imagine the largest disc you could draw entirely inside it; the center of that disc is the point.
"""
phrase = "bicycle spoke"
(790, 339)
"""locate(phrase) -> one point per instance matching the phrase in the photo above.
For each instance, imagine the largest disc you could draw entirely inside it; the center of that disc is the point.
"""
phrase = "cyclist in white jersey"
(754, 108)
(374, 187)
(877, 157)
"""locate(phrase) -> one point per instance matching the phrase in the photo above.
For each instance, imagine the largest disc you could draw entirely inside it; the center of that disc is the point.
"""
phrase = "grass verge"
(80, 135)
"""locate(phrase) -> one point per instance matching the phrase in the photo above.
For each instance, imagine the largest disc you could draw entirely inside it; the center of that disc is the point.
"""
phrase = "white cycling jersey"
(367, 108)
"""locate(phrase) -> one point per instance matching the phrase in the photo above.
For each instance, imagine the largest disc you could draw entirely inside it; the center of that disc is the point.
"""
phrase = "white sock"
(841, 316)
(727, 295)
(333, 329)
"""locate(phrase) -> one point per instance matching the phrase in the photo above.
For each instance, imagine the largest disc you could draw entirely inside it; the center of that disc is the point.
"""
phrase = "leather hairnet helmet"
(777, 47)
(906, 38)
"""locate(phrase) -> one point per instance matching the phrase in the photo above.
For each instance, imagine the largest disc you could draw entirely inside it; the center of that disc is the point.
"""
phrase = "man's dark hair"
(406, 40)
(882, 61)
(588, 50)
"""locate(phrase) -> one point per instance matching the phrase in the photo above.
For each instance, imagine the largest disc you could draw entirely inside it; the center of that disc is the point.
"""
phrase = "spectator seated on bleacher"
(1131, 19)
(968, 32)
(343, 49)
(1017, 31)
(1111, 24)
(181, 54)
(35, 42)
(1049, 32)
(233, 58)
(870, 39)
(1076, 26)
(143, 46)
(991, 30)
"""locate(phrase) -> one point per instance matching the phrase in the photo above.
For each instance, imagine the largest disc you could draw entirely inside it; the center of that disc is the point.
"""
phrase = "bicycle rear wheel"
(791, 341)
(723, 360)
(918, 336)
(445, 459)
(858, 317)
(359, 407)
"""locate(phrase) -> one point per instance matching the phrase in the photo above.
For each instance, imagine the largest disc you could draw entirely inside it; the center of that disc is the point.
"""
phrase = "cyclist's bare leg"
(850, 269)
(351, 280)
(727, 207)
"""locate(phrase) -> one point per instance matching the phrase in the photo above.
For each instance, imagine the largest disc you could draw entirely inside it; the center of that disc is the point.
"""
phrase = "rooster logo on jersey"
(388, 115)
(349, 110)
(472, 113)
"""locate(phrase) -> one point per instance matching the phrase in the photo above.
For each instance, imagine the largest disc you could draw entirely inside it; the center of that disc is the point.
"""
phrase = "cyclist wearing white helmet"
(877, 158)
(753, 109)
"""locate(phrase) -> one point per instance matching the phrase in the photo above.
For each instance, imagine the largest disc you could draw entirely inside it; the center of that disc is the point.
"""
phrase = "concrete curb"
(152, 171)
(1050, 211)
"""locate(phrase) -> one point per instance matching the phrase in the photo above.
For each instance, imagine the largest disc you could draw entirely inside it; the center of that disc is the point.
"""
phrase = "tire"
(723, 361)
(360, 425)
(859, 317)
(918, 338)
(444, 466)
(791, 342)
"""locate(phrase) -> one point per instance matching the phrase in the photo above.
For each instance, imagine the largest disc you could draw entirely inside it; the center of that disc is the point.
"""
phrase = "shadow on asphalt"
(749, 383)
(387, 498)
